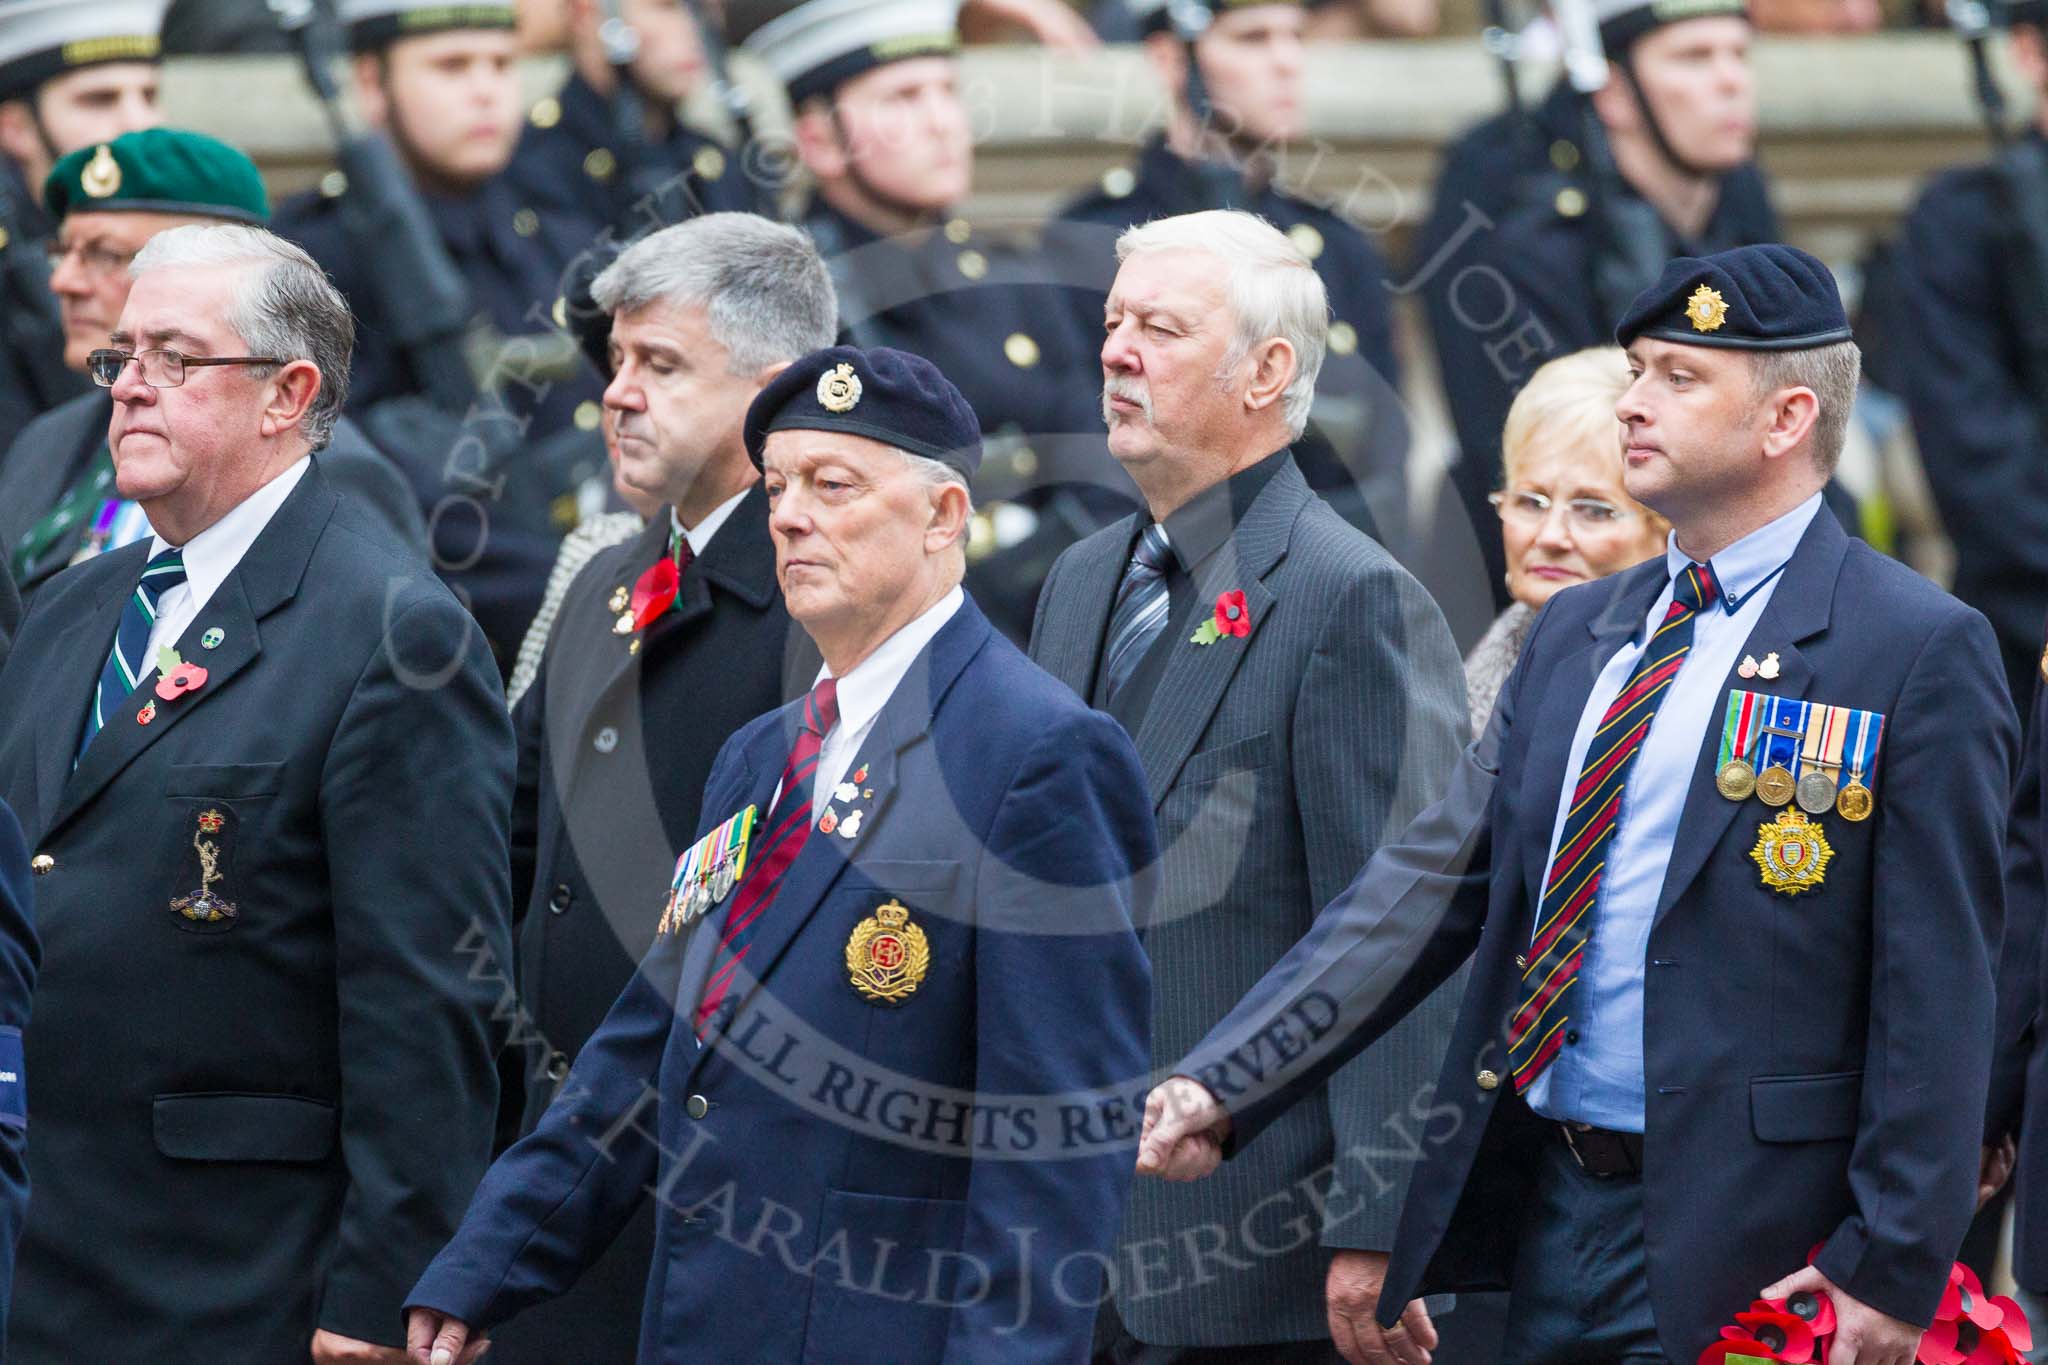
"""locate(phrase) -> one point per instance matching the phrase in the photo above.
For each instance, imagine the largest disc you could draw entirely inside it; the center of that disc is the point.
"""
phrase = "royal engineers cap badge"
(887, 956)
(1792, 853)
(839, 389)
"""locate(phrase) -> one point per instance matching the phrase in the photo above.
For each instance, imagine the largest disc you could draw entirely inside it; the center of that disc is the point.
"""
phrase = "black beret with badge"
(894, 397)
(815, 47)
(1753, 298)
(43, 39)
(376, 24)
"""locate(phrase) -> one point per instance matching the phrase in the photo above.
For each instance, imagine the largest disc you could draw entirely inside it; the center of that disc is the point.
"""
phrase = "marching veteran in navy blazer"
(1724, 863)
(875, 1069)
(264, 763)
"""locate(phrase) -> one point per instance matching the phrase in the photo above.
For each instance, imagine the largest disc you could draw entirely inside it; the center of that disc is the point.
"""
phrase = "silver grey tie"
(1140, 611)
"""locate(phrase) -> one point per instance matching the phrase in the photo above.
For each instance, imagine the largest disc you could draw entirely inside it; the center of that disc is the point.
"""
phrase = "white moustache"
(1131, 391)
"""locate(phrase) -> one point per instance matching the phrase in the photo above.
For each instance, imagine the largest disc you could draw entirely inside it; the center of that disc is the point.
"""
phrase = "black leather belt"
(1603, 1153)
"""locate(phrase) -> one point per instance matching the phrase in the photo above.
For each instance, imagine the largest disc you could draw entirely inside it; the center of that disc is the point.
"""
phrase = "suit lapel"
(1565, 692)
(1196, 676)
(69, 686)
(1071, 649)
(266, 579)
(1798, 611)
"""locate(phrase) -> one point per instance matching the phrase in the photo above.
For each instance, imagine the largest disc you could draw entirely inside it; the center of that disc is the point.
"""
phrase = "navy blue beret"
(1754, 298)
(889, 396)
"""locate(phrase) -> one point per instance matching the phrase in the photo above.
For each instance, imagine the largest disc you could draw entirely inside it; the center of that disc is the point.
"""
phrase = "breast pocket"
(1817, 1108)
(214, 808)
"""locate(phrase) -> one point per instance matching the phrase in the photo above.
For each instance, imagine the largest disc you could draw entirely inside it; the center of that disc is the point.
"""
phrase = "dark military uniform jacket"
(1983, 433)
(569, 163)
(616, 739)
(1523, 293)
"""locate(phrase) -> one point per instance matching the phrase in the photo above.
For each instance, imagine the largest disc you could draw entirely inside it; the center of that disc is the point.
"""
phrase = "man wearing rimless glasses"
(258, 910)
(58, 505)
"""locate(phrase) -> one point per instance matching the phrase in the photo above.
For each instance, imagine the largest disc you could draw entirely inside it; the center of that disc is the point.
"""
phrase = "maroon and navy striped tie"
(1537, 1029)
(782, 839)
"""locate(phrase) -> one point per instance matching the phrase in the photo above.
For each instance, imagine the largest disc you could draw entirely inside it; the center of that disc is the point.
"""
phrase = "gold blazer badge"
(1792, 853)
(887, 956)
(202, 906)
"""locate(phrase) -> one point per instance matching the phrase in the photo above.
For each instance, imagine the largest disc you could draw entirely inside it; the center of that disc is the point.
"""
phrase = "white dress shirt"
(866, 689)
(700, 535)
(213, 554)
(1597, 1077)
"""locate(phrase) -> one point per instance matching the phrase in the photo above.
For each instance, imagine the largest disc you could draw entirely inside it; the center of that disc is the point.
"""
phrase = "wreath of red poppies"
(1970, 1328)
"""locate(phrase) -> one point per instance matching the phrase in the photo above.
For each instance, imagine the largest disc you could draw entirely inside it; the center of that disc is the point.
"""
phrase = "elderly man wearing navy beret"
(878, 1068)
(1726, 863)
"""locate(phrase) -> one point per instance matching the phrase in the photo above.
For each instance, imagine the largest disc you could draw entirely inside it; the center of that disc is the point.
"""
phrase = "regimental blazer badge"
(1792, 853)
(203, 906)
(887, 956)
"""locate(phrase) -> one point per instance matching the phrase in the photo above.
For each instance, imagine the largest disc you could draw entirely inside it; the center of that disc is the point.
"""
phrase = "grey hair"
(287, 308)
(937, 474)
(762, 285)
(1274, 291)
(1831, 372)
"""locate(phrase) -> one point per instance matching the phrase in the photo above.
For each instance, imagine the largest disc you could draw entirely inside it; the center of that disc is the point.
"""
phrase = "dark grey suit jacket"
(1278, 762)
(53, 452)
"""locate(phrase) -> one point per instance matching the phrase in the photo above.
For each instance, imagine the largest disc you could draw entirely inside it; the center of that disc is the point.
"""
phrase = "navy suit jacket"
(20, 954)
(843, 1181)
(1815, 1066)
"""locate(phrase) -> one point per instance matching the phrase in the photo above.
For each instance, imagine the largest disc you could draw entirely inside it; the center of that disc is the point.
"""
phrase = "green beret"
(160, 170)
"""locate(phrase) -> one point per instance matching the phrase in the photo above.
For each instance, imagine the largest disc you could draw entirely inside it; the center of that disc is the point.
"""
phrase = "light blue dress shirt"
(1599, 1078)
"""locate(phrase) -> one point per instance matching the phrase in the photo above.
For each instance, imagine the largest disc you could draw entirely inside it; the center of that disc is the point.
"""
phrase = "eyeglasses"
(161, 369)
(1528, 508)
(93, 258)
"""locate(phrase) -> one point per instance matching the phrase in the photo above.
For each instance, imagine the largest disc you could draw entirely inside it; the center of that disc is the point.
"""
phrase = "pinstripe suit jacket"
(1277, 763)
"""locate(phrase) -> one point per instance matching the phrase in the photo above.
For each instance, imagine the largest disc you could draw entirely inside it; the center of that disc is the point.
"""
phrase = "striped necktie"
(126, 665)
(1140, 611)
(1537, 1029)
(783, 839)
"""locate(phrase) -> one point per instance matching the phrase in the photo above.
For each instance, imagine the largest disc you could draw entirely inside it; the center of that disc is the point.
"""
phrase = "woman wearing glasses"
(1564, 516)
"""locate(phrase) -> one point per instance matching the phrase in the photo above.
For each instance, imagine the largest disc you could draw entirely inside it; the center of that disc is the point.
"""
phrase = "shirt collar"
(213, 554)
(1752, 561)
(700, 535)
(1197, 529)
(867, 687)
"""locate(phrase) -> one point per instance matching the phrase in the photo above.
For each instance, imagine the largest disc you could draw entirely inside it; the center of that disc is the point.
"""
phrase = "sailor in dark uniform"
(1355, 450)
(577, 155)
(71, 75)
(882, 129)
(1679, 115)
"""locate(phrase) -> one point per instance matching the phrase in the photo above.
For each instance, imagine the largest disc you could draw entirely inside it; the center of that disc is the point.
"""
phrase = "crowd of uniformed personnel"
(509, 417)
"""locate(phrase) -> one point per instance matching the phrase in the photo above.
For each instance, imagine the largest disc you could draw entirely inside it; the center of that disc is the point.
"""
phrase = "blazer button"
(1488, 1080)
(696, 1106)
(43, 865)
(606, 741)
(562, 899)
(558, 1065)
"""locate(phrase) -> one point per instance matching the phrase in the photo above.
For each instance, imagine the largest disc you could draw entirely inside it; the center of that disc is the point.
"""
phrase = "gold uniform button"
(1024, 462)
(547, 113)
(600, 164)
(43, 864)
(588, 415)
(1118, 182)
(526, 222)
(973, 264)
(1021, 350)
(696, 1106)
(1306, 239)
(1489, 1080)
(3, 239)
(958, 230)
(333, 185)
(1571, 202)
(1564, 154)
(709, 163)
(558, 1066)
(1343, 338)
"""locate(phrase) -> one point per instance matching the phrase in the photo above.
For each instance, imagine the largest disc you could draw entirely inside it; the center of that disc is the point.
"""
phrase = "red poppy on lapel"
(655, 592)
(1233, 617)
(182, 679)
